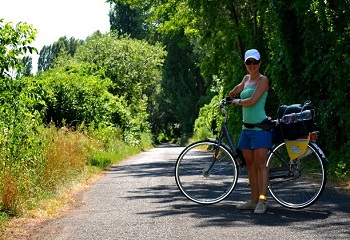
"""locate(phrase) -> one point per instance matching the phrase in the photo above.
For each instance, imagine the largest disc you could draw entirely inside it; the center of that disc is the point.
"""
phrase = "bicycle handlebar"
(226, 101)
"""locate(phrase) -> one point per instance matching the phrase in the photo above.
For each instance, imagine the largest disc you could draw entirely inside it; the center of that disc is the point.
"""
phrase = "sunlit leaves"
(14, 44)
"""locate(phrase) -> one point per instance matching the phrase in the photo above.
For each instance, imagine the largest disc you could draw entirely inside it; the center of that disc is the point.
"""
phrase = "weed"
(62, 157)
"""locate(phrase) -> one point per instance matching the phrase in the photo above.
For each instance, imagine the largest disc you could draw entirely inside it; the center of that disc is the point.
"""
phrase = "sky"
(57, 18)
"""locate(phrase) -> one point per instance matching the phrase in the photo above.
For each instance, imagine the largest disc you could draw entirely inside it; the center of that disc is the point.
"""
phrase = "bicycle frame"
(224, 133)
(287, 163)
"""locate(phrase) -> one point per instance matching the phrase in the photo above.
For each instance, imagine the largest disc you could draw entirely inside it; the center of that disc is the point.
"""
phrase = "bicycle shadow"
(331, 211)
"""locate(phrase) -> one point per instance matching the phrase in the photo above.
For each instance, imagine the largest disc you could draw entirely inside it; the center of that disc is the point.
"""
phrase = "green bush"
(77, 99)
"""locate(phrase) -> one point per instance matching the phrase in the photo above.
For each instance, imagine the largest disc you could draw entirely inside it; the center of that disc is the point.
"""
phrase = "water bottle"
(295, 117)
(290, 118)
(305, 115)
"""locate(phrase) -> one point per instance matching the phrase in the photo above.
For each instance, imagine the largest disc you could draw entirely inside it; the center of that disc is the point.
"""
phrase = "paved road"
(139, 199)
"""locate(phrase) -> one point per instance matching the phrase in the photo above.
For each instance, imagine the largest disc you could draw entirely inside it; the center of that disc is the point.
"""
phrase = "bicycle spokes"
(296, 183)
(206, 172)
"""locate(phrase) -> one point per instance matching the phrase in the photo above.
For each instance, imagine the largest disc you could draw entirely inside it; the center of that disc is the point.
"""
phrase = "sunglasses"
(250, 62)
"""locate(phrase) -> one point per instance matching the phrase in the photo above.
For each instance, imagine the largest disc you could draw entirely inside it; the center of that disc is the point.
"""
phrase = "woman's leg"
(260, 158)
(252, 174)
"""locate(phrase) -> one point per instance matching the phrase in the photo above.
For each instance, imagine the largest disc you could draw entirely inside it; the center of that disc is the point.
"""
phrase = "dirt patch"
(343, 187)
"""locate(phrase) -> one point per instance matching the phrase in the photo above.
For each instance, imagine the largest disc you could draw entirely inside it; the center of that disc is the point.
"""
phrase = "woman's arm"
(238, 88)
(261, 87)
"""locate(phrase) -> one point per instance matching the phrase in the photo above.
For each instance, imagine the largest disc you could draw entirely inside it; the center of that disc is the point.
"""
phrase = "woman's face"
(252, 65)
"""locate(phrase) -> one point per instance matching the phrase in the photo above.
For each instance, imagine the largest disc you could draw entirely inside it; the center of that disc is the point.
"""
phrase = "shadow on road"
(331, 210)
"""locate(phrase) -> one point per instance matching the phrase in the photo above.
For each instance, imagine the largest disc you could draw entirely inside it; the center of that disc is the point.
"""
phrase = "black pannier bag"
(296, 120)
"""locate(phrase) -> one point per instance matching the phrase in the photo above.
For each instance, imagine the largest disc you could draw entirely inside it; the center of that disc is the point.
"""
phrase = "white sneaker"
(249, 205)
(260, 208)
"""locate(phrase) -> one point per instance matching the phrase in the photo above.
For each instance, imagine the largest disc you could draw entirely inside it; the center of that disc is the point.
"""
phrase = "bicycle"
(207, 171)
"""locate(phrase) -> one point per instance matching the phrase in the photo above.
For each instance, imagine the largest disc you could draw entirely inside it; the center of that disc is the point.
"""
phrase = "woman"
(254, 141)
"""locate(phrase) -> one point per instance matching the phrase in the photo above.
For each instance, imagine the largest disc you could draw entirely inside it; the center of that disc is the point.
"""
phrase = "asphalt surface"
(139, 199)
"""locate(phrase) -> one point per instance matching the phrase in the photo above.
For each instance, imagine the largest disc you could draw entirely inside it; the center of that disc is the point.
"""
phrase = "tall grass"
(60, 158)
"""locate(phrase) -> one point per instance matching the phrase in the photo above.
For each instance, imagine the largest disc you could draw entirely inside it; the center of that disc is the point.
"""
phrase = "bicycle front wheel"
(296, 183)
(206, 172)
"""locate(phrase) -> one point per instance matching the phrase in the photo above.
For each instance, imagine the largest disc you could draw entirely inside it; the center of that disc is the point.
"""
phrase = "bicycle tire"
(298, 183)
(192, 177)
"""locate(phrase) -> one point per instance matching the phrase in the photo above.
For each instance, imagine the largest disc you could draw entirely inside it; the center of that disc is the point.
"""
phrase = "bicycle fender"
(222, 143)
(319, 150)
(211, 140)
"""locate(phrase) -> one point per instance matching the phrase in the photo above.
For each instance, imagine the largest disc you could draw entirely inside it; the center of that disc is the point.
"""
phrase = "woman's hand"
(237, 101)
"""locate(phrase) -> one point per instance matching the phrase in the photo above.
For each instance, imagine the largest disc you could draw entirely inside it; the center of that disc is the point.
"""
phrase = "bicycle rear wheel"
(296, 183)
(206, 172)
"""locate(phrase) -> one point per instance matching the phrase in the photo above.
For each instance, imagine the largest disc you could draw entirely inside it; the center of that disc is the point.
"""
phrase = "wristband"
(239, 102)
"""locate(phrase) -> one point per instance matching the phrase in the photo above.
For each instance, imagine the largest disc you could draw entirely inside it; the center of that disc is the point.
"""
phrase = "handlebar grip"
(226, 101)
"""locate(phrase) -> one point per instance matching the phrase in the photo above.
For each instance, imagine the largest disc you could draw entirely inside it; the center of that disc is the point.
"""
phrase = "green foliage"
(21, 151)
(107, 80)
(48, 54)
(182, 89)
(134, 68)
(127, 18)
(127, 21)
(132, 65)
(309, 47)
(77, 98)
(21, 108)
(14, 42)
(210, 117)
(110, 140)
(26, 71)
(206, 121)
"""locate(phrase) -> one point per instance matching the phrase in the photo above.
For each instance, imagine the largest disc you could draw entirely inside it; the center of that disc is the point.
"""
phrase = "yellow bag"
(297, 148)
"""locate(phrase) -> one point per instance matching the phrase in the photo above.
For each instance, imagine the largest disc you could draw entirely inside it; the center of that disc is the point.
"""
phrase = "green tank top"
(255, 113)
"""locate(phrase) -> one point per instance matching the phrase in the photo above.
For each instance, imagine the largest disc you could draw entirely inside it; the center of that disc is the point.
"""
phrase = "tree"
(76, 98)
(182, 84)
(183, 89)
(14, 43)
(127, 21)
(49, 53)
(132, 66)
(27, 67)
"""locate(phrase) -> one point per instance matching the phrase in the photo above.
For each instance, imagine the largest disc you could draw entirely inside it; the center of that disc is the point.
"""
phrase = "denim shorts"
(252, 139)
